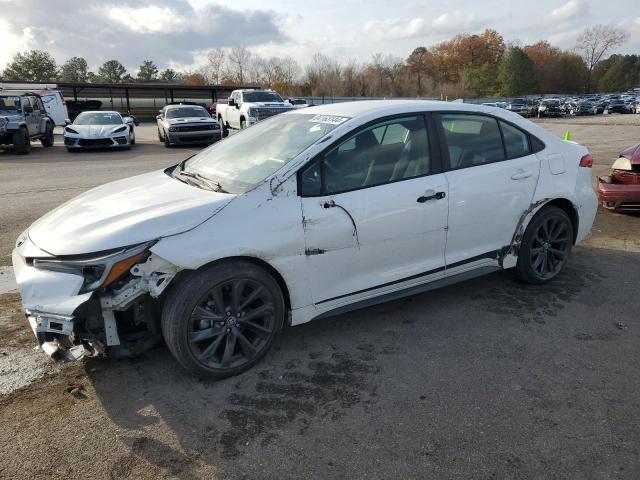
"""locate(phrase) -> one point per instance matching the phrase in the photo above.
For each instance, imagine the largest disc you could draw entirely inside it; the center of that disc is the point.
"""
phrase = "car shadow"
(443, 351)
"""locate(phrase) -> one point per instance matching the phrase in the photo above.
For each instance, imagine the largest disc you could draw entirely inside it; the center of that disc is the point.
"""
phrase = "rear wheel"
(545, 247)
(48, 139)
(132, 137)
(167, 143)
(220, 321)
(21, 141)
(243, 124)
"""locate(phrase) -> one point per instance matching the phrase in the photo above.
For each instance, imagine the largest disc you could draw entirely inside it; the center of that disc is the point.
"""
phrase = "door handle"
(435, 196)
(521, 175)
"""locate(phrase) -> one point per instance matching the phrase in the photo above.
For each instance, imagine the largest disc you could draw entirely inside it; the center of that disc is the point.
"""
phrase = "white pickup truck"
(249, 106)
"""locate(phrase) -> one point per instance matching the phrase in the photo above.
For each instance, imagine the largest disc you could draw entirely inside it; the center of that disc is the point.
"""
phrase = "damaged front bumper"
(618, 196)
(69, 325)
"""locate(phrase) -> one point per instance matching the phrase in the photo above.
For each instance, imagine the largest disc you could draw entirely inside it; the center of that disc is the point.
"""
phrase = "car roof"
(390, 107)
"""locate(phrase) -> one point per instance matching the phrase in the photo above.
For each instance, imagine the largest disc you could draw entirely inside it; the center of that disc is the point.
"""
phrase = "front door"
(374, 213)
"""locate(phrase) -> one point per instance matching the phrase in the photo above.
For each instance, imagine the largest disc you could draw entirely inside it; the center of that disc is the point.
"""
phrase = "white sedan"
(305, 215)
(99, 129)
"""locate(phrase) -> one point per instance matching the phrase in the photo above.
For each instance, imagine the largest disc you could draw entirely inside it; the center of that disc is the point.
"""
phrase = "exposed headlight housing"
(70, 130)
(99, 271)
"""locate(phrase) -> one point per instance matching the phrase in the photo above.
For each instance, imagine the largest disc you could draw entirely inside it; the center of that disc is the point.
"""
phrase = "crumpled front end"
(89, 306)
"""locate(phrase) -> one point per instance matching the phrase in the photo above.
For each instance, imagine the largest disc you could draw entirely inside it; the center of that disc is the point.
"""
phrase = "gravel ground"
(485, 379)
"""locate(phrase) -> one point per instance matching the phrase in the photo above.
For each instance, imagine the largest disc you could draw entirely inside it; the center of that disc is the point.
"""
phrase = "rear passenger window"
(472, 140)
(516, 142)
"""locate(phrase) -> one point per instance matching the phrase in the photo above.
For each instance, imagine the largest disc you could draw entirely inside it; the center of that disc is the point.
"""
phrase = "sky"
(177, 33)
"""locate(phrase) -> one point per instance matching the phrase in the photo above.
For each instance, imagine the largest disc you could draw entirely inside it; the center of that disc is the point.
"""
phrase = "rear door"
(374, 212)
(492, 176)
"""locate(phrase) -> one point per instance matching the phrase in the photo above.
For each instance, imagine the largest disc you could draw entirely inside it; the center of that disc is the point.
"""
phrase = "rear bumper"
(618, 196)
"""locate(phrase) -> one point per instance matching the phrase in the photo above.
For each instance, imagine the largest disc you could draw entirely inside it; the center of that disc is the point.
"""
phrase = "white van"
(53, 100)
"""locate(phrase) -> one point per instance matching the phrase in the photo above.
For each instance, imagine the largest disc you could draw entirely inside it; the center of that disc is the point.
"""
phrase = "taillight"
(586, 161)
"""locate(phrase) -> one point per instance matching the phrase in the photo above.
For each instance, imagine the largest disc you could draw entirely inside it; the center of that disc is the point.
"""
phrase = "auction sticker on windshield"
(329, 119)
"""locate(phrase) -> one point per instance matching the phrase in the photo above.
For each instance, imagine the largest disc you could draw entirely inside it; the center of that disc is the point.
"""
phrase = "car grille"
(95, 142)
(194, 128)
(69, 141)
(262, 113)
(121, 140)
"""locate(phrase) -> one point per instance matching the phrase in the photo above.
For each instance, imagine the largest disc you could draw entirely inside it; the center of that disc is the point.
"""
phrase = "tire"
(210, 336)
(21, 141)
(48, 139)
(545, 247)
(223, 125)
(132, 136)
(167, 143)
(243, 124)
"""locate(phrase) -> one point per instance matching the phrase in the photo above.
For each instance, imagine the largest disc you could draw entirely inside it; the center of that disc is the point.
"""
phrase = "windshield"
(98, 118)
(240, 162)
(10, 103)
(551, 103)
(261, 97)
(183, 112)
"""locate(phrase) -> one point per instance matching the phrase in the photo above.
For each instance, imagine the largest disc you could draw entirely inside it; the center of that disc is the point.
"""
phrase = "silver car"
(183, 124)
(99, 129)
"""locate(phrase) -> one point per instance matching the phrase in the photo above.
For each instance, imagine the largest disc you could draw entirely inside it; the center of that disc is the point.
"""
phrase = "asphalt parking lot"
(485, 379)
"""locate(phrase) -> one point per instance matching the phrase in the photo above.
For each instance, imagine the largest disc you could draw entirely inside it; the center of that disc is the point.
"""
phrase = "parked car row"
(578, 105)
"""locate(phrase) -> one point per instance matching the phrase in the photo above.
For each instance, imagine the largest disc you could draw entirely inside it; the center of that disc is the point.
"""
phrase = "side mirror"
(128, 120)
(238, 106)
(232, 102)
(67, 121)
(158, 117)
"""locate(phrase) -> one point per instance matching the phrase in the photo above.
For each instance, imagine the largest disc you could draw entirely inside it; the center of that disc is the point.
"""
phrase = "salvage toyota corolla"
(305, 215)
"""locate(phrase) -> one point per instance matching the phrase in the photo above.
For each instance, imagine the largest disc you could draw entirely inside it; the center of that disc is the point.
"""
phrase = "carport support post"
(75, 94)
(126, 94)
(111, 97)
(171, 93)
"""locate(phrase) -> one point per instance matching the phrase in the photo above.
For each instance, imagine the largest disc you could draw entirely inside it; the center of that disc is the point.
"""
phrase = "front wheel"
(221, 320)
(21, 141)
(545, 247)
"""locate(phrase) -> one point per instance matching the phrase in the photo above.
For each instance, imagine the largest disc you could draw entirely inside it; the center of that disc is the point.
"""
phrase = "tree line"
(479, 65)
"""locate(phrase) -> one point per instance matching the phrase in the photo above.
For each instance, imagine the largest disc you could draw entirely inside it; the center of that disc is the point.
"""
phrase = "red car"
(621, 190)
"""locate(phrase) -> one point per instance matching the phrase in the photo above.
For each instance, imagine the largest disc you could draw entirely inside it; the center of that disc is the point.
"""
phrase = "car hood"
(178, 121)
(96, 131)
(632, 153)
(125, 212)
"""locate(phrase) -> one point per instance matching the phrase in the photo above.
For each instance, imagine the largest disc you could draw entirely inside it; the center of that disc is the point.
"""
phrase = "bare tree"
(595, 42)
(239, 57)
(215, 65)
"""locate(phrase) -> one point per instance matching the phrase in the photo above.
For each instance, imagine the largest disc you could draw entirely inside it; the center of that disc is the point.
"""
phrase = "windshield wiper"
(213, 185)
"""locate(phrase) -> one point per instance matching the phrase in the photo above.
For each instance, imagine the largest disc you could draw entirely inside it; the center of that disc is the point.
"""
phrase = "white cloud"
(148, 19)
(570, 10)
(13, 43)
(444, 24)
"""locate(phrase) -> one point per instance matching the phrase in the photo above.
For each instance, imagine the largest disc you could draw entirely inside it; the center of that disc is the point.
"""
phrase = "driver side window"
(385, 152)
